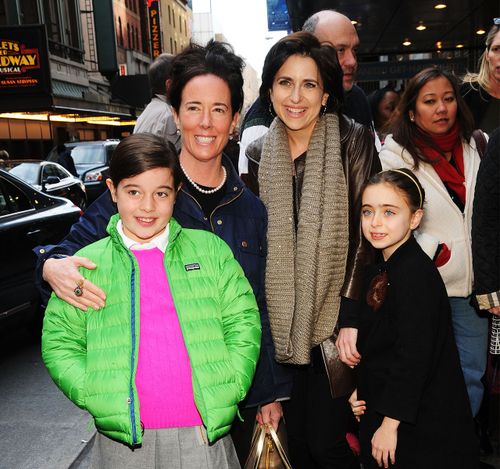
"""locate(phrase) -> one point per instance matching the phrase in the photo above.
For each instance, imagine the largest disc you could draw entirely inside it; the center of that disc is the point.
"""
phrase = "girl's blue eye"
(366, 212)
(389, 213)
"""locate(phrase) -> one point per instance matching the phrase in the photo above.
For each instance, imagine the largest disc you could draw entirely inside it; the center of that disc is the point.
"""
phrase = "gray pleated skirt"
(169, 448)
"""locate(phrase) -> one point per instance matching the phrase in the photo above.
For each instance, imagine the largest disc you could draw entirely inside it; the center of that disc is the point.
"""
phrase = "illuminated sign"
(24, 68)
(154, 28)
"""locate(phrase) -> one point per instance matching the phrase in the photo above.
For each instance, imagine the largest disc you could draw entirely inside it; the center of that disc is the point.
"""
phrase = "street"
(39, 427)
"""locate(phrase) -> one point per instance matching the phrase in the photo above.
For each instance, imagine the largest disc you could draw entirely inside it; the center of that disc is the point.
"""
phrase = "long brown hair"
(406, 132)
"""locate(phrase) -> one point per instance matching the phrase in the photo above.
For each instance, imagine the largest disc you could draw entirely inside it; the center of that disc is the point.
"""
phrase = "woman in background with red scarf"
(433, 135)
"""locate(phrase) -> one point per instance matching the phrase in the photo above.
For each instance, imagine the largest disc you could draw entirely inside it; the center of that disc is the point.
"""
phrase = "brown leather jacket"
(360, 161)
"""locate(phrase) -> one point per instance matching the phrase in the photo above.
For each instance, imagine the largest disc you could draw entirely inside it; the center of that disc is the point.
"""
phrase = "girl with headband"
(433, 135)
(411, 399)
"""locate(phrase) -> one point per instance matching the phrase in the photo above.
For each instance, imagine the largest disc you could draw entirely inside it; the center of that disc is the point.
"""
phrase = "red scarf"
(451, 175)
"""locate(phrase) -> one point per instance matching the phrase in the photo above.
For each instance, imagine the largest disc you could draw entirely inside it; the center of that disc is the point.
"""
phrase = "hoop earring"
(271, 110)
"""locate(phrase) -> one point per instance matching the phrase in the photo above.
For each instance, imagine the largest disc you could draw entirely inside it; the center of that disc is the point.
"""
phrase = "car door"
(18, 235)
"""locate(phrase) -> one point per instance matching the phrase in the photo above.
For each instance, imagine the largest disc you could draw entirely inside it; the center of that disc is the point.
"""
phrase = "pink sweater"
(163, 377)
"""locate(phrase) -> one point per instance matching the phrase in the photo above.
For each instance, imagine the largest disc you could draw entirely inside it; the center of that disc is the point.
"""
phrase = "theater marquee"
(24, 66)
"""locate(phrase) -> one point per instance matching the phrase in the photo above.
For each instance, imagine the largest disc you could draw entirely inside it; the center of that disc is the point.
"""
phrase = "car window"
(49, 170)
(12, 199)
(27, 172)
(109, 150)
(60, 173)
(88, 154)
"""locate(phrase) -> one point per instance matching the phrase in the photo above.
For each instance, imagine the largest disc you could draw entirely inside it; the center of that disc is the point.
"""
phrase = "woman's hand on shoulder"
(384, 442)
(63, 277)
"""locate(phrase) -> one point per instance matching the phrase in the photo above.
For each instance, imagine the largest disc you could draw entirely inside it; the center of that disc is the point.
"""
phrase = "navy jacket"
(241, 221)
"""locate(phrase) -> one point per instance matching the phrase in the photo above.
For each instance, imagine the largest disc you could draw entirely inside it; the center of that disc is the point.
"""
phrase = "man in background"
(335, 29)
(157, 118)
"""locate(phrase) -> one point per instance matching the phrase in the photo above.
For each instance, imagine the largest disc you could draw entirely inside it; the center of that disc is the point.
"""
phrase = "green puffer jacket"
(92, 356)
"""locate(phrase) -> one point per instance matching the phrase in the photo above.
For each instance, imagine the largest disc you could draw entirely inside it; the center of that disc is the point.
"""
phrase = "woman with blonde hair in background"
(481, 90)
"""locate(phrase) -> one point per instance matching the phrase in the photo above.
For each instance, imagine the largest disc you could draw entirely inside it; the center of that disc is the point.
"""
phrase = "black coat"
(410, 369)
(486, 221)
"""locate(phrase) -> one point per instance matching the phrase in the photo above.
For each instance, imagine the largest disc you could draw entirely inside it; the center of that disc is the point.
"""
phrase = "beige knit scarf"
(305, 270)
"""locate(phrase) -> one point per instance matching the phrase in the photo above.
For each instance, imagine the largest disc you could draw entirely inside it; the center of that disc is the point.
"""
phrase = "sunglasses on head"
(496, 21)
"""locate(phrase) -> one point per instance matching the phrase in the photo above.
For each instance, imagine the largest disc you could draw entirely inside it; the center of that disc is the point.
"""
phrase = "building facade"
(89, 44)
(176, 25)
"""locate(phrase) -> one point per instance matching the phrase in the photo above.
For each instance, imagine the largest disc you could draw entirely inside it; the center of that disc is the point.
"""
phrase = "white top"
(443, 222)
(160, 241)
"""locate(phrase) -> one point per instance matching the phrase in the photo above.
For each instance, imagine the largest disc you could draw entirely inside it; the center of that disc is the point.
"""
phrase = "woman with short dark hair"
(309, 170)
(206, 95)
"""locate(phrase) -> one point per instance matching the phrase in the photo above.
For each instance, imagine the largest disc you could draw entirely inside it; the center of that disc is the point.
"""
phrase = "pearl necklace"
(200, 189)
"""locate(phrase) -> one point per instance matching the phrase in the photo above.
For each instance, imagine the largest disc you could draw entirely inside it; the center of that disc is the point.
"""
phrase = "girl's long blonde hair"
(482, 78)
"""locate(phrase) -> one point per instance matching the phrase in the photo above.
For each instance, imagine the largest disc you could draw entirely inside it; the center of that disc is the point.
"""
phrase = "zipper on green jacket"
(132, 358)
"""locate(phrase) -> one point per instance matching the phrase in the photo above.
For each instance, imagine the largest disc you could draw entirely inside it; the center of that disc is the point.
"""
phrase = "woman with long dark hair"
(309, 169)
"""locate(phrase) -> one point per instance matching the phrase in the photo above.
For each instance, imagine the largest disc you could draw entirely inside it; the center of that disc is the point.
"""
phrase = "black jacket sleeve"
(486, 221)
(90, 228)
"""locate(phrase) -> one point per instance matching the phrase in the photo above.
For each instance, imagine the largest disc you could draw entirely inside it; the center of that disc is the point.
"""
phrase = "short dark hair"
(141, 152)
(406, 132)
(305, 44)
(404, 181)
(216, 58)
(159, 72)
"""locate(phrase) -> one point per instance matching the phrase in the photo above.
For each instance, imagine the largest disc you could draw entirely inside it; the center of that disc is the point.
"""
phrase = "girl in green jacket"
(163, 365)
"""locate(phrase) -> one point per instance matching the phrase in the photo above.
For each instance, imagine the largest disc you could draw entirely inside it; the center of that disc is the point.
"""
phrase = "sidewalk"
(39, 427)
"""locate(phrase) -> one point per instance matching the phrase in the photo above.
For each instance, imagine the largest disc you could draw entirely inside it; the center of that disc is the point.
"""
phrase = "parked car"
(50, 178)
(28, 218)
(91, 162)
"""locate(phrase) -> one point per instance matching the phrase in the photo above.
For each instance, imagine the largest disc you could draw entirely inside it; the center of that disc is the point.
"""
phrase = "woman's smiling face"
(205, 117)
(297, 93)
